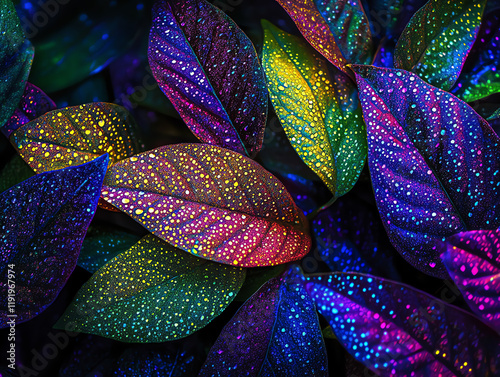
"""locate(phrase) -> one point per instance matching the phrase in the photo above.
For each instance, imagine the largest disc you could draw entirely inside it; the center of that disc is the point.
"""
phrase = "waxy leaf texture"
(319, 111)
(211, 202)
(43, 223)
(275, 333)
(101, 244)
(34, 103)
(16, 55)
(153, 293)
(437, 40)
(77, 134)
(473, 261)
(339, 30)
(398, 331)
(433, 162)
(209, 70)
(480, 76)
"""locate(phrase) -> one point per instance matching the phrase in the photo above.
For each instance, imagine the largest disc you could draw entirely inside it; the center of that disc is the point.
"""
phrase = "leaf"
(256, 277)
(396, 330)
(16, 55)
(211, 202)
(209, 70)
(33, 104)
(473, 261)
(101, 244)
(77, 134)
(350, 238)
(480, 76)
(337, 29)
(43, 225)
(102, 33)
(275, 333)
(433, 163)
(494, 116)
(152, 293)
(436, 41)
(14, 172)
(319, 111)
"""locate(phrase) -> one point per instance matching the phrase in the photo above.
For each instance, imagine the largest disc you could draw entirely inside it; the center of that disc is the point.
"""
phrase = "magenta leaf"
(34, 103)
(44, 220)
(209, 70)
(275, 333)
(433, 162)
(397, 330)
(473, 261)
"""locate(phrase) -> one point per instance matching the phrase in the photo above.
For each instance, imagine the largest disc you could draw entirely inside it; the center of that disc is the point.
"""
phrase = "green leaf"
(437, 40)
(319, 110)
(103, 33)
(101, 244)
(16, 55)
(153, 292)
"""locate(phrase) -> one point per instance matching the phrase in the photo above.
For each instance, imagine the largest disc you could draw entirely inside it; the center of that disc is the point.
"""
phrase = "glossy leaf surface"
(209, 70)
(153, 292)
(473, 262)
(44, 221)
(16, 55)
(101, 244)
(34, 103)
(437, 40)
(319, 111)
(433, 162)
(77, 134)
(337, 29)
(396, 330)
(481, 73)
(211, 202)
(275, 333)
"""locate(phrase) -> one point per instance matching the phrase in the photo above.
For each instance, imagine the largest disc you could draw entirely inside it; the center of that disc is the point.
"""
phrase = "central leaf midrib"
(174, 14)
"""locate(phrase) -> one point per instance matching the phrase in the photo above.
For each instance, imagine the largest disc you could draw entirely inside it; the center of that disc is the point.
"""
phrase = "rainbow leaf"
(433, 162)
(152, 292)
(473, 261)
(16, 55)
(338, 29)
(211, 202)
(436, 41)
(77, 134)
(209, 70)
(318, 110)
(397, 330)
(43, 223)
(275, 333)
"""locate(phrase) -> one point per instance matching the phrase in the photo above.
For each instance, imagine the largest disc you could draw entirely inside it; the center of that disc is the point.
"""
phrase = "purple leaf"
(44, 221)
(473, 261)
(276, 332)
(209, 70)
(396, 330)
(34, 103)
(433, 162)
